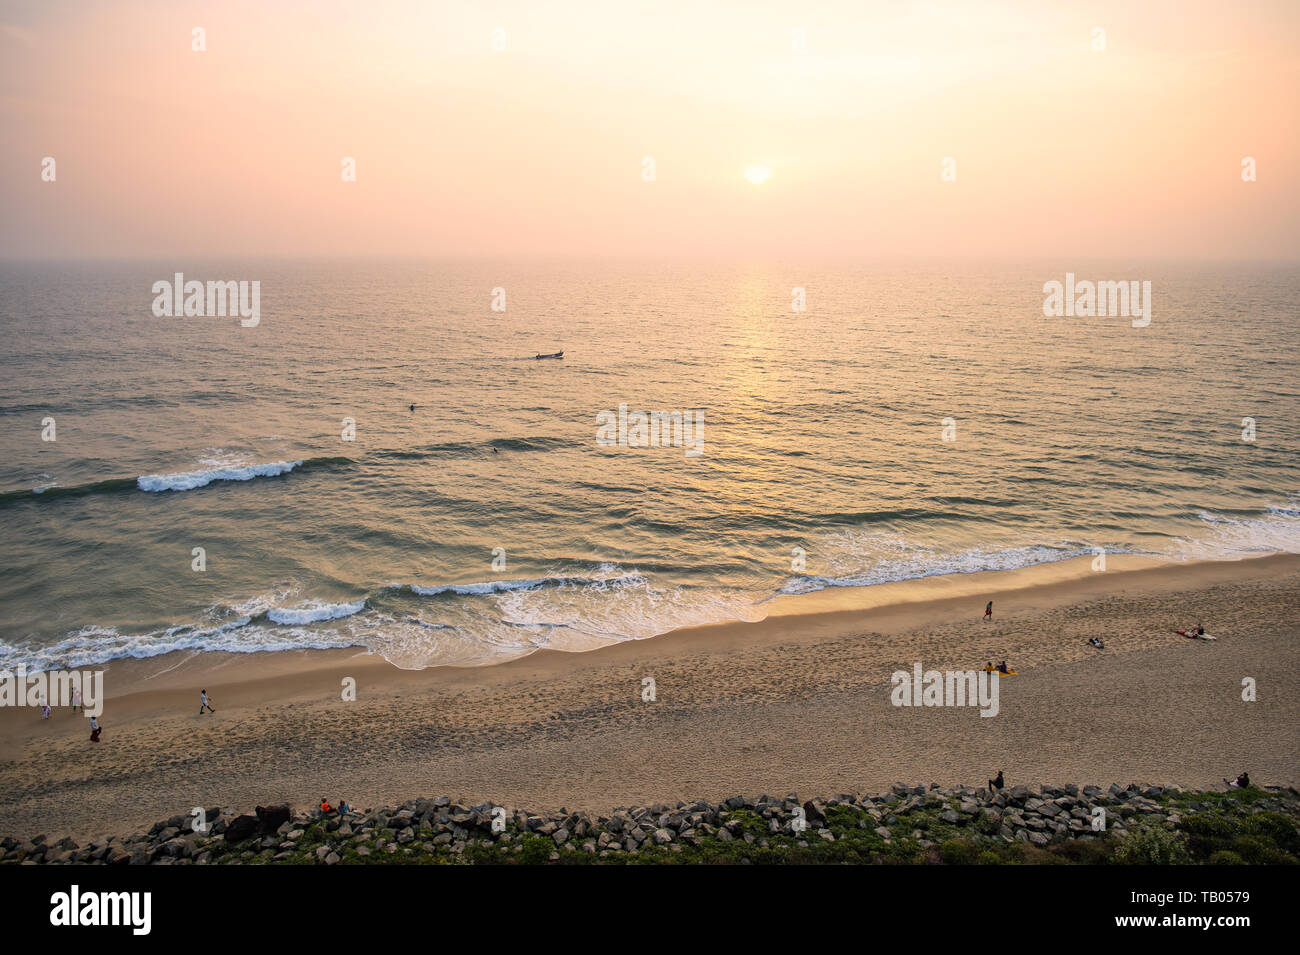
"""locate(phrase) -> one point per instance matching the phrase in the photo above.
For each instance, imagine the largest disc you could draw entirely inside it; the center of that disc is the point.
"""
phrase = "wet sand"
(796, 702)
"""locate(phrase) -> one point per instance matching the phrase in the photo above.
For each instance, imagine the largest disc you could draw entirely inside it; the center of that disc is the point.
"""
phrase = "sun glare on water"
(758, 174)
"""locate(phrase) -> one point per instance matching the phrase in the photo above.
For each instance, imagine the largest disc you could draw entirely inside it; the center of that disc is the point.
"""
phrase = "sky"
(539, 148)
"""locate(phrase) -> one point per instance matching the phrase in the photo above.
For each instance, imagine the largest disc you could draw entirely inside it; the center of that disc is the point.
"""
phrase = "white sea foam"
(188, 480)
(484, 588)
(93, 646)
(314, 611)
(1277, 531)
(857, 559)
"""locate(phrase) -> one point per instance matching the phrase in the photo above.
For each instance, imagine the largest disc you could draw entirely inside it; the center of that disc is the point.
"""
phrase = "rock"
(272, 817)
(813, 813)
(241, 828)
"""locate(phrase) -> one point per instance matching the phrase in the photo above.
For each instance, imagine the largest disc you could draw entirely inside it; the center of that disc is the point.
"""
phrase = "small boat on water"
(558, 354)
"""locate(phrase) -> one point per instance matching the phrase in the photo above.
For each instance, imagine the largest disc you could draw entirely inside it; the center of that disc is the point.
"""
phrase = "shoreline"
(886, 607)
(797, 701)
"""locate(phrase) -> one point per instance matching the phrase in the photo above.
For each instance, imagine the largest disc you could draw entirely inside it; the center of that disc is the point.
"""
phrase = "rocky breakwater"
(910, 823)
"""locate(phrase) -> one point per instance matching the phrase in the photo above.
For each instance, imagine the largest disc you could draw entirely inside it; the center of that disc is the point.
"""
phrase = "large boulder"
(241, 828)
(272, 818)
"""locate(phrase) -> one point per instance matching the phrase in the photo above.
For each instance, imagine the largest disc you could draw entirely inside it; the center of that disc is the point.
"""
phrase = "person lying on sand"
(1097, 642)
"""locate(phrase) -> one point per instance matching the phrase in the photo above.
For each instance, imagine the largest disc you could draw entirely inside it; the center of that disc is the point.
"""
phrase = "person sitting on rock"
(325, 806)
(1241, 782)
(996, 782)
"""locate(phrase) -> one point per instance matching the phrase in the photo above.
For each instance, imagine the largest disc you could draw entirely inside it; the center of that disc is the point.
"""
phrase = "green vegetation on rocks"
(1143, 825)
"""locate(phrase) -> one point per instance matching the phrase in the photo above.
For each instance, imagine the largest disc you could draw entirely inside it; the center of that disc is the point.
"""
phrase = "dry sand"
(798, 702)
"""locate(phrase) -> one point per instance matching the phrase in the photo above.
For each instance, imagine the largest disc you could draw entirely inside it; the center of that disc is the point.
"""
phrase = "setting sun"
(758, 174)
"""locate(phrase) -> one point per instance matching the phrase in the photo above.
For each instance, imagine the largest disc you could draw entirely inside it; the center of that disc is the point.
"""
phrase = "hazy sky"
(538, 149)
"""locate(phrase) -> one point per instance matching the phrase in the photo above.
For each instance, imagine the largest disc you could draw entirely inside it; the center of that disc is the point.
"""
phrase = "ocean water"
(823, 434)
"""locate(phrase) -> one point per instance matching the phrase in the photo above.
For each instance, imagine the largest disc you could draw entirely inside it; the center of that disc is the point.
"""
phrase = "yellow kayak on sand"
(1001, 672)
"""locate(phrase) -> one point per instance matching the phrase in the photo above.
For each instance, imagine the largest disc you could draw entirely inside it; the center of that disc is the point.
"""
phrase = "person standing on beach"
(988, 611)
(76, 699)
(204, 702)
(94, 730)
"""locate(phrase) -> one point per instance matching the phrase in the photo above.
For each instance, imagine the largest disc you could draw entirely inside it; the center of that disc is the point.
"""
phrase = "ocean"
(200, 492)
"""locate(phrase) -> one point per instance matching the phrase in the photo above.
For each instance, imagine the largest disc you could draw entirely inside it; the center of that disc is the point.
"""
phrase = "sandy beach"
(796, 702)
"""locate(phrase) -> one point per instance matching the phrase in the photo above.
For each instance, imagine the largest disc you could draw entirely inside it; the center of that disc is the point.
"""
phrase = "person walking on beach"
(996, 782)
(76, 699)
(988, 611)
(205, 702)
(95, 730)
